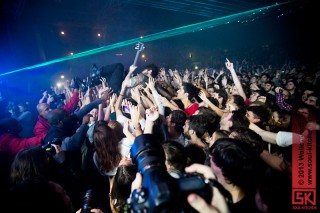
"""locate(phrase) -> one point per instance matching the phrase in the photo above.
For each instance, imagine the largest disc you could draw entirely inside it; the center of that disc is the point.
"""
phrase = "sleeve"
(281, 102)
(87, 108)
(72, 103)
(284, 139)
(22, 143)
(113, 116)
(75, 141)
(157, 100)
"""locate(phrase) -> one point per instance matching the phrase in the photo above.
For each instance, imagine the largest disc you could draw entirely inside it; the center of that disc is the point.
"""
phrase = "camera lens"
(88, 201)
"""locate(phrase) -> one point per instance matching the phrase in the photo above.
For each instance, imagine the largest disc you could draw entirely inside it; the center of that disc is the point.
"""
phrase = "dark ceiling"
(31, 30)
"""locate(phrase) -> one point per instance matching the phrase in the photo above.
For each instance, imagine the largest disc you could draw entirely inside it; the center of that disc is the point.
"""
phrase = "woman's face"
(234, 91)
(211, 92)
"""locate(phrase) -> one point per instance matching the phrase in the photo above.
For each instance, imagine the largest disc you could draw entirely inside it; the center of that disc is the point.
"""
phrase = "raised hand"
(152, 114)
(135, 94)
(151, 84)
(164, 101)
(132, 68)
(170, 73)
(218, 202)
(103, 82)
(224, 81)
(113, 99)
(135, 115)
(104, 93)
(278, 89)
(229, 65)
(202, 95)
(126, 126)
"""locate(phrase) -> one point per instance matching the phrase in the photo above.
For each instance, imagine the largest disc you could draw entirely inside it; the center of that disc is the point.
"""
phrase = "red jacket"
(42, 126)
(12, 144)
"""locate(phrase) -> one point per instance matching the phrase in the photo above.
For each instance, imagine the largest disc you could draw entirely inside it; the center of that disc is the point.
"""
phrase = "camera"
(89, 201)
(161, 192)
(50, 150)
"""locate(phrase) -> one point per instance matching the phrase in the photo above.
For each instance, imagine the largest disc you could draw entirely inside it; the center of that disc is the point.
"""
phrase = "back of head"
(211, 117)
(199, 123)
(223, 94)
(275, 191)
(239, 163)
(238, 100)
(117, 128)
(239, 120)
(195, 154)
(250, 137)
(38, 196)
(175, 155)
(106, 144)
(10, 125)
(121, 186)
(29, 163)
(154, 68)
(56, 115)
(179, 118)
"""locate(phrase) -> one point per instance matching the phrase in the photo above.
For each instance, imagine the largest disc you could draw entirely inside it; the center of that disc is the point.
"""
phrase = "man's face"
(181, 93)
(290, 86)
(186, 129)
(268, 87)
(305, 94)
(50, 98)
(94, 113)
(253, 80)
(254, 96)
(211, 92)
(147, 72)
(304, 112)
(225, 122)
(44, 110)
(251, 116)
(311, 100)
(264, 78)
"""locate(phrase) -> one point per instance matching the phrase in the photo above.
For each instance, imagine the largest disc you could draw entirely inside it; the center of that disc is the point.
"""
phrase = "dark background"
(30, 34)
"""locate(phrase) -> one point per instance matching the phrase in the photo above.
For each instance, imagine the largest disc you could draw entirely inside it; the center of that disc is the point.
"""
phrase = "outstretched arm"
(236, 80)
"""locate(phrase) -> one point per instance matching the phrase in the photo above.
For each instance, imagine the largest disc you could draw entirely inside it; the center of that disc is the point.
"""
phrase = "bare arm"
(236, 80)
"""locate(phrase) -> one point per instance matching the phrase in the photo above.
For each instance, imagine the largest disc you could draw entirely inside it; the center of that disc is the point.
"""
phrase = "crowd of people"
(93, 146)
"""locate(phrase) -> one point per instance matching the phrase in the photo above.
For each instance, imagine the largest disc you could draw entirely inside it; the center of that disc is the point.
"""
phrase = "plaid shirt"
(281, 102)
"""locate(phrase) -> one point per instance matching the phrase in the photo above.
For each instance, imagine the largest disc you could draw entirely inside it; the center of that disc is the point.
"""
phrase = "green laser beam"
(160, 35)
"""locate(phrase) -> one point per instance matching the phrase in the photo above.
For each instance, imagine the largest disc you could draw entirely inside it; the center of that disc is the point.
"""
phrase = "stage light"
(62, 76)
(143, 56)
(196, 67)
(98, 34)
(71, 53)
(141, 37)
(62, 32)
(58, 84)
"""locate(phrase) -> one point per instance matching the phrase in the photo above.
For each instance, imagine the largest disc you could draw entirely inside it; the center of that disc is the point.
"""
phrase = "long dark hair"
(106, 145)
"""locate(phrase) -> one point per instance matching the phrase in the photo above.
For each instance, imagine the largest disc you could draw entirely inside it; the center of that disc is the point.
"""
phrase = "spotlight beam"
(160, 35)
